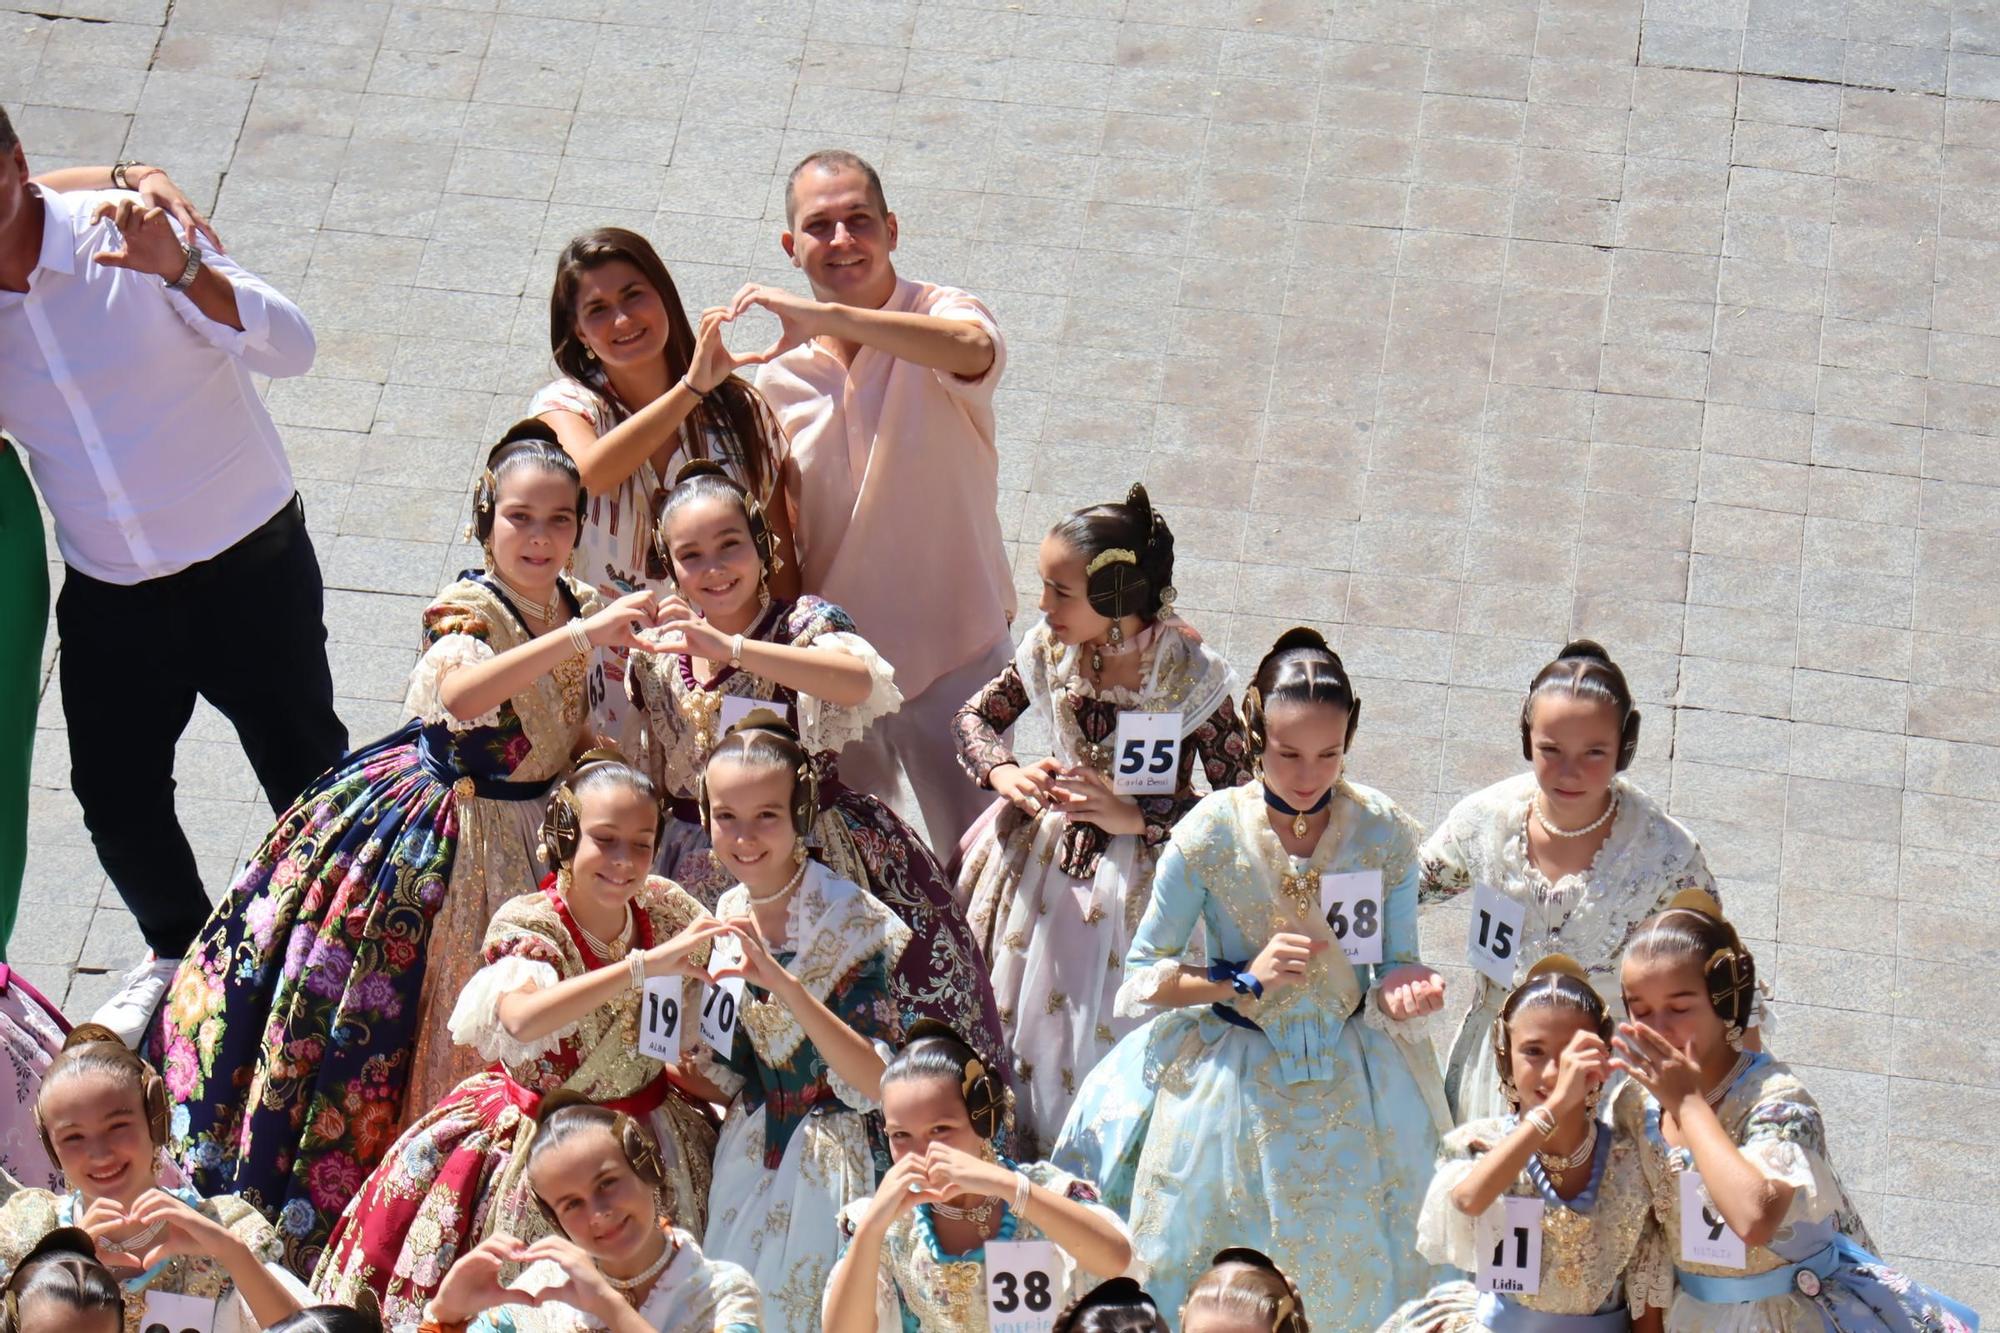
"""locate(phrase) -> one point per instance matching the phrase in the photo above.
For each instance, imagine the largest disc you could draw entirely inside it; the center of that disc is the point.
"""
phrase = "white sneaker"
(130, 1012)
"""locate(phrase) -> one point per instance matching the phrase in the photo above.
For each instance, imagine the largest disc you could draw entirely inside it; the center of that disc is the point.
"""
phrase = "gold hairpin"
(1117, 555)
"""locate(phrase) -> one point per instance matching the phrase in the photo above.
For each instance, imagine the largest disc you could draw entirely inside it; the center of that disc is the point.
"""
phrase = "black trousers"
(242, 630)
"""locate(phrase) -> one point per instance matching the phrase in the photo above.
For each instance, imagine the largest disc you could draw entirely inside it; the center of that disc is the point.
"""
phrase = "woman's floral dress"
(457, 1175)
(315, 1001)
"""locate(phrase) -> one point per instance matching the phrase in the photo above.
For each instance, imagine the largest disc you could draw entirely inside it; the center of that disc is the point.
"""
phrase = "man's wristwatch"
(119, 179)
(189, 270)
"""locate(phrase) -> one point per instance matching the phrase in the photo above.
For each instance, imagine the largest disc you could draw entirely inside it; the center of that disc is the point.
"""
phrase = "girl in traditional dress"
(724, 646)
(1604, 1266)
(319, 990)
(916, 1252)
(104, 1114)
(1280, 1075)
(60, 1287)
(622, 1262)
(557, 1006)
(1244, 1292)
(804, 1064)
(1118, 1306)
(641, 393)
(1057, 873)
(1585, 853)
(1734, 1133)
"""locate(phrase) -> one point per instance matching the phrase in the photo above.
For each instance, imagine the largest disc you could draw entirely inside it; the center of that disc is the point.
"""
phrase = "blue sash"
(1497, 1313)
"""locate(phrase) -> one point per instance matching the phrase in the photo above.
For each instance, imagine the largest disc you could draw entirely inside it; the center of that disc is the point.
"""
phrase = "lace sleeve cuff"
(1444, 1234)
(704, 1063)
(1817, 1194)
(825, 726)
(1139, 994)
(852, 1095)
(426, 679)
(475, 1018)
(1649, 1279)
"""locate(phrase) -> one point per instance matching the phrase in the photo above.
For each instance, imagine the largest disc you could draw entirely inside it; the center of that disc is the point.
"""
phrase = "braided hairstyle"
(365, 1316)
(63, 1267)
(1584, 670)
(1245, 1284)
(1129, 551)
(92, 1048)
(1118, 1306)
(1693, 931)
(934, 1050)
(528, 443)
(1300, 668)
(566, 1114)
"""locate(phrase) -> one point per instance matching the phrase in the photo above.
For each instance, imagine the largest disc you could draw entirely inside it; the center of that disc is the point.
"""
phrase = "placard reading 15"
(1021, 1291)
(1146, 754)
(1352, 902)
(1508, 1240)
(1705, 1237)
(169, 1313)
(1493, 936)
(660, 1019)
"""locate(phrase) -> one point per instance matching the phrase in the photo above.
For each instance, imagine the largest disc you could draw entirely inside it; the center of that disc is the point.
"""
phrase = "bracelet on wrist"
(1023, 1187)
(1542, 1119)
(636, 961)
(579, 637)
(1239, 976)
(688, 384)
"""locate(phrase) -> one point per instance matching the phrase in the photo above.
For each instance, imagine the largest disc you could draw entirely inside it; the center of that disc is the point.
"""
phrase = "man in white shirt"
(126, 353)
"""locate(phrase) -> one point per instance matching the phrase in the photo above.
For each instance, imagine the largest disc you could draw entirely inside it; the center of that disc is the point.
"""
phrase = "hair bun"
(1562, 964)
(1300, 636)
(559, 1100)
(1697, 900)
(1141, 505)
(932, 1027)
(701, 467)
(1587, 648)
(527, 428)
(765, 719)
(89, 1034)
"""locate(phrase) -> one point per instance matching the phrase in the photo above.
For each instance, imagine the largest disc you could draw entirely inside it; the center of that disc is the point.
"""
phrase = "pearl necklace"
(1714, 1098)
(1541, 817)
(545, 612)
(1572, 1160)
(137, 1242)
(627, 1285)
(778, 895)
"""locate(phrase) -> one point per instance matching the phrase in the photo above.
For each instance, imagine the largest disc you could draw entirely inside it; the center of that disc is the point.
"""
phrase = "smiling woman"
(641, 394)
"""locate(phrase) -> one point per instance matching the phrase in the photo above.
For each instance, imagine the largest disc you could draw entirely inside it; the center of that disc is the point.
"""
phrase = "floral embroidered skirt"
(457, 1176)
(287, 1039)
(31, 1033)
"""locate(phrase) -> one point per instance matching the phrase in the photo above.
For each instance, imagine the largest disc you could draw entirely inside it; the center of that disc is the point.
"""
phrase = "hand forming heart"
(155, 1226)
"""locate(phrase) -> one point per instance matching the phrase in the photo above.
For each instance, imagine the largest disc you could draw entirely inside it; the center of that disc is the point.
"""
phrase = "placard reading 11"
(1705, 1237)
(1508, 1240)
(1352, 902)
(1146, 754)
(1021, 1291)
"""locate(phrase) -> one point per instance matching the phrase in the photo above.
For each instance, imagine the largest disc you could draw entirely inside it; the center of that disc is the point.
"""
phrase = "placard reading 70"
(1146, 754)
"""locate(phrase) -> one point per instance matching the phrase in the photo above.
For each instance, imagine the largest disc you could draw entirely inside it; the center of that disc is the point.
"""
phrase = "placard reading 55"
(1147, 754)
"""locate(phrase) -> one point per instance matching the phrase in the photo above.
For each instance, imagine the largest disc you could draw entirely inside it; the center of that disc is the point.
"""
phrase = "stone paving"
(1454, 328)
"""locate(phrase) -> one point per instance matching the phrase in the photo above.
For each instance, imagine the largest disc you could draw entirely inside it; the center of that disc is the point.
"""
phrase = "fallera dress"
(1604, 1261)
(313, 1006)
(941, 975)
(458, 1175)
(796, 1147)
(694, 1294)
(1054, 902)
(31, 1214)
(921, 1289)
(1819, 1274)
(1303, 1124)
(1648, 858)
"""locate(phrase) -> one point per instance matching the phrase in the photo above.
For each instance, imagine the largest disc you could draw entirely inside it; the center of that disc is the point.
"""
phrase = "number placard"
(1021, 1292)
(1508, 1240)
(1147, 752)
(169, 1313)
(721, 1007)
(1352, 902)
(1493, 936)
(1705, 1237)
(660, 1019)
(736, 707)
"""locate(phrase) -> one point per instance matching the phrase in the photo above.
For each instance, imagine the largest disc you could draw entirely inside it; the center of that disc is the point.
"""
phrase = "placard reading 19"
(660, 1019)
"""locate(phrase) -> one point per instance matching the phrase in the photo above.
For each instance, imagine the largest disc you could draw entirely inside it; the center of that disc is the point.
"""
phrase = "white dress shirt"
(136, 411)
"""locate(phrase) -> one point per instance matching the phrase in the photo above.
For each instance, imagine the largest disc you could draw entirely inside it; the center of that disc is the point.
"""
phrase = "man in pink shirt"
(885, 390)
